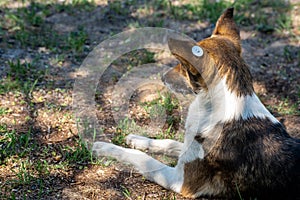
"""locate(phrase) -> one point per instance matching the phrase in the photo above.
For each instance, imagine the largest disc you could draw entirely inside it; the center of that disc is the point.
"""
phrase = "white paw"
(104, 149)
(138, 142)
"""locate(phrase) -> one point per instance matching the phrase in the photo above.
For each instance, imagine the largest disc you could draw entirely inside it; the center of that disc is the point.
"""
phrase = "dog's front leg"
(159, 146)
(168, 177)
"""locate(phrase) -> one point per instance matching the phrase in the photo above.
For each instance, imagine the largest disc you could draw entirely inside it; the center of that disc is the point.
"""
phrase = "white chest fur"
(219, 105)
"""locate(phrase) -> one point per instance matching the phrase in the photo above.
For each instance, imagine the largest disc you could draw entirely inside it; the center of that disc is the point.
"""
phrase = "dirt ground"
(46, 111)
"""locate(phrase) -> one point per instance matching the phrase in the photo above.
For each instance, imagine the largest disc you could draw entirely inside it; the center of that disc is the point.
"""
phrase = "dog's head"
(204, 64)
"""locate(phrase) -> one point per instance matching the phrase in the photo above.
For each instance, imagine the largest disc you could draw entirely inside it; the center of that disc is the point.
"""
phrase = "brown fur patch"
(226, 27)
(178, 79)
(229, 64)
(225, 49)
(194, 78)
(202, 176)
(221, 59)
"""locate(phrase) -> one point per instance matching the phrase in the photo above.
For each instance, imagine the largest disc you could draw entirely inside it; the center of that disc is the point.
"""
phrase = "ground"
(42, 46)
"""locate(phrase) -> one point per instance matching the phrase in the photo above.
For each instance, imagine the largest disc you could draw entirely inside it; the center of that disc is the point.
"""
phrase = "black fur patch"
(255, 156)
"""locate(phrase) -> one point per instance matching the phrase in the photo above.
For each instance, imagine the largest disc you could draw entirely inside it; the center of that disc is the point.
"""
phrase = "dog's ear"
(226, 27)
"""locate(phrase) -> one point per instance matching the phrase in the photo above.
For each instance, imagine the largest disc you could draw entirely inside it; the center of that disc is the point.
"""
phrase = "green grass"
(265, 15)
(15, 144)
(124, 128)
(199, 10)
(165, 101)
(23, 173)
(126, 192)
(287, 54)
(7, 85)
(76, 40)
(79, 154)
(238, 191)
(27, 25)
(118, 7)
(3, 111)
(285, 107)
(24, 72)
(22, 76)
(267, 18)
(29, 175)
(283, 23)
(81, 5)
(32, 160)
(164, 106)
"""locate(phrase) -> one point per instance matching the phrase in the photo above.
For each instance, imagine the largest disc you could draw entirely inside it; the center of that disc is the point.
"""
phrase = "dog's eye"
(197, 51)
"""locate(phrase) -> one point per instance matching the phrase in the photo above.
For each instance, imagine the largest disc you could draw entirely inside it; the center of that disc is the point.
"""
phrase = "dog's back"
(254, 157)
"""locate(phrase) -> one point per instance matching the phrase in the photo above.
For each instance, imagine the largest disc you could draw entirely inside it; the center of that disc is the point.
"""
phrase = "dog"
(233, 146)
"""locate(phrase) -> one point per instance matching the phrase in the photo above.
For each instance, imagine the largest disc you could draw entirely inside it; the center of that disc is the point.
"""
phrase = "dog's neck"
(220, 105)
(227, 105)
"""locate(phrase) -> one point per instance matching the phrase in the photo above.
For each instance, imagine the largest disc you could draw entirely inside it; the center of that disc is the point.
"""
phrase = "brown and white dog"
(233, 145)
